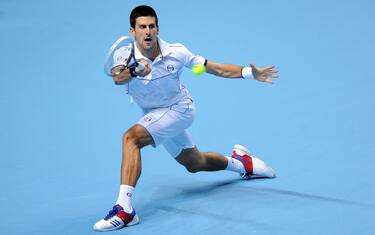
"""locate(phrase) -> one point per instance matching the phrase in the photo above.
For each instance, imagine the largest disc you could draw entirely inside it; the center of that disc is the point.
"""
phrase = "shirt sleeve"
(189, 59)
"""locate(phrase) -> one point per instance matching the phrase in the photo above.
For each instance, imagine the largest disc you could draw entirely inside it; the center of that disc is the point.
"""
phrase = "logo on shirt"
(147, 119)
(170, 68)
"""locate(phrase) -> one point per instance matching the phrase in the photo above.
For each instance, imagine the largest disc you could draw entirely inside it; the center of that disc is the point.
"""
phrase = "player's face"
(145, 33)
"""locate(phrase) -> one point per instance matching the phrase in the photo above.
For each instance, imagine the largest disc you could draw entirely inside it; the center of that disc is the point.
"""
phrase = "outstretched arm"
(262, 74)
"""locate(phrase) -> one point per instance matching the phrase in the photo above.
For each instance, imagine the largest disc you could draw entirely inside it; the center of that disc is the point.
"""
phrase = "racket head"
(120, 56)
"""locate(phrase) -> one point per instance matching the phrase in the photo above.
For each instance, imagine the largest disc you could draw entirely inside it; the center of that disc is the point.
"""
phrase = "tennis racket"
(120, 57)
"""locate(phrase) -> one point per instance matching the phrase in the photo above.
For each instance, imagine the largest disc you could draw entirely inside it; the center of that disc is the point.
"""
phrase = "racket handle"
(140, 66)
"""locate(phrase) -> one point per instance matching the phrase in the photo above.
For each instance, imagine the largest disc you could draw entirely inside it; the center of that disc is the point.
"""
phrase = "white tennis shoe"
(255, 168)
(117, 218)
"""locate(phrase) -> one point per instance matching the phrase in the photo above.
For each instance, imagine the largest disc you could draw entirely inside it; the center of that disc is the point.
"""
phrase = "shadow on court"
(186, 199)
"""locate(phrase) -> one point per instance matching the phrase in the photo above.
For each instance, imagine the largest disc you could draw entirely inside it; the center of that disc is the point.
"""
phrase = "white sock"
(235, 165)
(124, 197)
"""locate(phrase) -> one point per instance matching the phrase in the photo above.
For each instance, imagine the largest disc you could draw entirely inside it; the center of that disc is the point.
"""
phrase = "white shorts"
(168, 126)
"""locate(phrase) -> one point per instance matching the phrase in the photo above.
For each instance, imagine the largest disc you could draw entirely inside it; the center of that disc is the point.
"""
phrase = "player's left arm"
(262, 74)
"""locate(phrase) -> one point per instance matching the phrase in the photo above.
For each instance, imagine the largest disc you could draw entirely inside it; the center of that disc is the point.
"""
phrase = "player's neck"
(152, 53)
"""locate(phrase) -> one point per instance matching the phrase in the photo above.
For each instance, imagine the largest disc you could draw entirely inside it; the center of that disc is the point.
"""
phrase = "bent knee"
(130, 138)
(193, 168)
(136, 136)
(191, 159)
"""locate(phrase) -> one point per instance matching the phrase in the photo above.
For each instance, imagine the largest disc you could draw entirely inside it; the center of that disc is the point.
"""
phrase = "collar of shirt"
(163, 48)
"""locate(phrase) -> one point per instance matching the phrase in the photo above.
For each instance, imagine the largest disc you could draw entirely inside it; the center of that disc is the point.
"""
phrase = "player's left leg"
(155, 127)
(123, 213)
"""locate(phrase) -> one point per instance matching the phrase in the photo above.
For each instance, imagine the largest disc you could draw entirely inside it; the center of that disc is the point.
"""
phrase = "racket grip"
(140, 66)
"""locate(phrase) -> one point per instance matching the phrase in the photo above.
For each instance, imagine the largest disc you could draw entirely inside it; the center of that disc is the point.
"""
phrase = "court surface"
(62, 119)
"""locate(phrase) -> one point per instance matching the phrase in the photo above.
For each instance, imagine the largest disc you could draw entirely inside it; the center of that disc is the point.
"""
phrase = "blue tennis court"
(62, 119)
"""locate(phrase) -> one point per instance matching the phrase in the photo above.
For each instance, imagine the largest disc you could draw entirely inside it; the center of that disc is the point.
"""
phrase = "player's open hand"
(264, 74)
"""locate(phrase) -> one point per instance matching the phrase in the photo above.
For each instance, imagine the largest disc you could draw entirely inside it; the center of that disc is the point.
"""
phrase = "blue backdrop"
(62, 119)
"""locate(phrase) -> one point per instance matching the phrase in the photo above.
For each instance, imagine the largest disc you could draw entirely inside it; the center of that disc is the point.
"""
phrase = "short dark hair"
(142, 10)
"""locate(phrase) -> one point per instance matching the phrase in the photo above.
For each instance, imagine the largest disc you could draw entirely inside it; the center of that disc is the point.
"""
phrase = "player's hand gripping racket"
(121, 57)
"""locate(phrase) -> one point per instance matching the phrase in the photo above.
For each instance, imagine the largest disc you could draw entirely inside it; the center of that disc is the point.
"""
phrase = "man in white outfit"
(168, 111)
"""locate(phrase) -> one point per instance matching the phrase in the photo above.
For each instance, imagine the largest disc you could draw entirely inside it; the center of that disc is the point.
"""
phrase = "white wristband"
(247, 73)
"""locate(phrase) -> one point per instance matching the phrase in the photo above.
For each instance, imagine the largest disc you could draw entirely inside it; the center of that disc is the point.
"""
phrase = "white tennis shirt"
(162, 87)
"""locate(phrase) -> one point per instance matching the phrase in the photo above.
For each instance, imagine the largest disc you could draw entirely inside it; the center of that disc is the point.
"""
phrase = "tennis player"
(168, 111)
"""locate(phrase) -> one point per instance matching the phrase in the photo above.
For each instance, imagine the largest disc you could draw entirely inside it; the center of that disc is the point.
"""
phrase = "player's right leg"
(253, 167)
(123, 214)
(241, 160)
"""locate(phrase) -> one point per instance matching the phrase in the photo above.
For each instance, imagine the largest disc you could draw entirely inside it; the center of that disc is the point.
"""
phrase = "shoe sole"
(134, 221)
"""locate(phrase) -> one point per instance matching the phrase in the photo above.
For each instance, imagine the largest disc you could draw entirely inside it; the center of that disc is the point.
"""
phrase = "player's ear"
(132, 31)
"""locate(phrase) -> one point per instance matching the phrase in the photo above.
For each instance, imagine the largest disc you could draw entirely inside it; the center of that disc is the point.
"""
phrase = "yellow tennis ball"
(198, 69)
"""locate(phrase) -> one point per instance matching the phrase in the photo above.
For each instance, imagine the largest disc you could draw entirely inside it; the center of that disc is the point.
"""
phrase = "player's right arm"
(122, 76)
